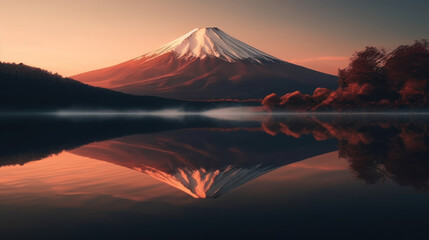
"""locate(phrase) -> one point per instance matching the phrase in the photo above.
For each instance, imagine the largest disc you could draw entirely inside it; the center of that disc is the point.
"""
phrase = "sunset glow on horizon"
(74, 37)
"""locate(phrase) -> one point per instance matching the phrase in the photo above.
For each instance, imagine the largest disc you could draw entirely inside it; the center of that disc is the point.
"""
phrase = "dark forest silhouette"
(28, 88)
(374, 80)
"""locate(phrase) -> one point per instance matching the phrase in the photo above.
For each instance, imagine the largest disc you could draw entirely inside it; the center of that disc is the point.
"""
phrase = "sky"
(71, 37)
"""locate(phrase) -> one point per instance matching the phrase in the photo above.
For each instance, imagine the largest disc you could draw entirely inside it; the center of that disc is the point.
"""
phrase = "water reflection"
(25, 139)
(205, 163)
(207, 158)
(271, 176)
(376, 149)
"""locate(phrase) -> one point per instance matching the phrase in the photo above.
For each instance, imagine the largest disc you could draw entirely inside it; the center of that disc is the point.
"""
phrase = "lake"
(214, 176)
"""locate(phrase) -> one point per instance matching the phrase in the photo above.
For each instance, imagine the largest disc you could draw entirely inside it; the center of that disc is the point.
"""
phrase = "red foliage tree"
(373, 80)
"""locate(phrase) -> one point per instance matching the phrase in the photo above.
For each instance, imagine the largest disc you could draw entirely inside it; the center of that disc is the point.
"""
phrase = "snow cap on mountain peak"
(206, 42)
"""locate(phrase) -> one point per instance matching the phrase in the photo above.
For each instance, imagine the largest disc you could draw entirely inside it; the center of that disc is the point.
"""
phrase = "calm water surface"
(290, 177)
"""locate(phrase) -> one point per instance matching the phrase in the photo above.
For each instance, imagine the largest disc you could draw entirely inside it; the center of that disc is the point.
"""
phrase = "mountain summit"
(211, 42)
(207, 63)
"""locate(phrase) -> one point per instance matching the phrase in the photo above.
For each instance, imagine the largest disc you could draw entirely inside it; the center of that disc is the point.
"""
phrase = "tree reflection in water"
(376, 148)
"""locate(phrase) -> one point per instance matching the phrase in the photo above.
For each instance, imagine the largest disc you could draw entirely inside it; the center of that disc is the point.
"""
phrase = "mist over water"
(168, 113)
(228, 113)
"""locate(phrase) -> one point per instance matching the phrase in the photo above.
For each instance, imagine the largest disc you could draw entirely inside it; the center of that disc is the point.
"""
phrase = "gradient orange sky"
(70, 37)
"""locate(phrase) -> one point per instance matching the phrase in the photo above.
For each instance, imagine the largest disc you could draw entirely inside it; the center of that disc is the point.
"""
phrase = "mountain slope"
(207, 63)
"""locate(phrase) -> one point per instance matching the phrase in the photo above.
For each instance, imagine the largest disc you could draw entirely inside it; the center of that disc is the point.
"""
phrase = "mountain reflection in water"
(303, 176)
(207, 158)
(205, 163)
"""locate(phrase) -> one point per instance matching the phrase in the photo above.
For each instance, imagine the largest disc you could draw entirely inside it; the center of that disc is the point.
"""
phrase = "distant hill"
(24, 87)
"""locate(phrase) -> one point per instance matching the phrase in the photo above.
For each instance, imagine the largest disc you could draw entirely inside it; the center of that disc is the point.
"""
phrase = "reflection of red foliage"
(374, 150)
(373, 80)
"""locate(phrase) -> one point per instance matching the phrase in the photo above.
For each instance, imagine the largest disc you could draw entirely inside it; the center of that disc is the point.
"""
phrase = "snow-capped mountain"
(207, 63)
(210, 42)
